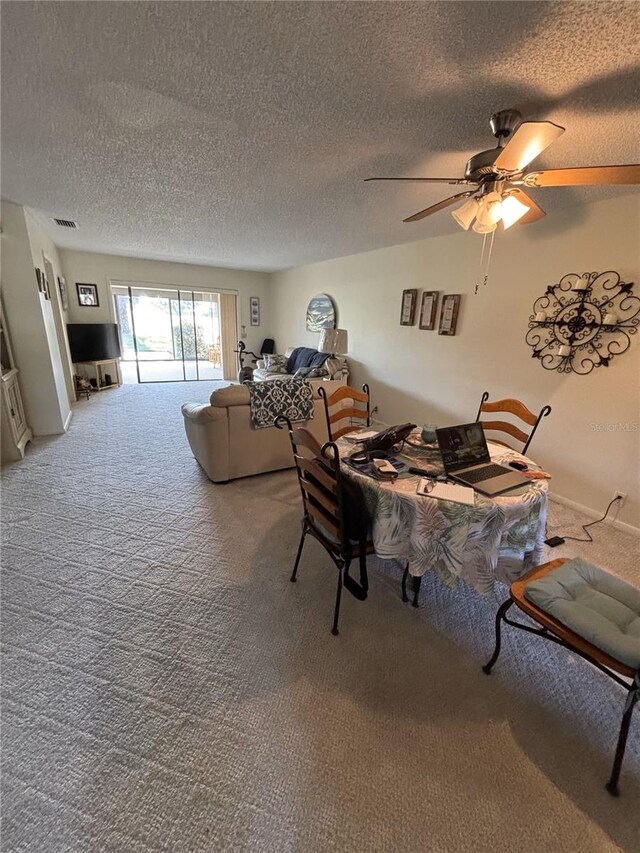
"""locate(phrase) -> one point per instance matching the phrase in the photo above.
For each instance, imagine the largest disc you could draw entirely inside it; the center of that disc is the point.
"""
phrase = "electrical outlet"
(622, 498)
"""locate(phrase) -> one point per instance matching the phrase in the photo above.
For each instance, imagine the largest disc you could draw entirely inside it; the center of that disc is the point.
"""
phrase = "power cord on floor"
(554, 541)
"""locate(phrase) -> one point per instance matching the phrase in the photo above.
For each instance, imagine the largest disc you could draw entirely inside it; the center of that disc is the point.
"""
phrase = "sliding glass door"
(170, 335)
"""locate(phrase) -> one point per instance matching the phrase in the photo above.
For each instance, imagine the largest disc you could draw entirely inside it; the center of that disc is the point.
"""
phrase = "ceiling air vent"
(65, 223)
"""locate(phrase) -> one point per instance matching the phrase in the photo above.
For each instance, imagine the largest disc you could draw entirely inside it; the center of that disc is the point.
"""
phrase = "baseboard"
(68, 420)
(592, 513)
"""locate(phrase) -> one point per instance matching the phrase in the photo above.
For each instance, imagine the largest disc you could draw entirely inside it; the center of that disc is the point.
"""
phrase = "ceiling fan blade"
(425, 180)
(529, 140)
(583, 175)
(439, 206)
(535, 211)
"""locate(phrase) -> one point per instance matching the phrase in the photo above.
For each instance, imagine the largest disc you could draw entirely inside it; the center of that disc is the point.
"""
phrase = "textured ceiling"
(239, 134)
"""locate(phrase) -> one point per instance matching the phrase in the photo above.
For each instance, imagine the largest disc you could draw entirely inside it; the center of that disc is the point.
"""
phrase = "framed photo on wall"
(408, 310)
(428, 307)
(449, 314)
(254, 306)
(87, 295)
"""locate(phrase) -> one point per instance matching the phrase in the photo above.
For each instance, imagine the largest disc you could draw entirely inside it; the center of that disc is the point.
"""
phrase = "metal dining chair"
(341, 420)
(513, 407)
(608, 648)
(330, 509)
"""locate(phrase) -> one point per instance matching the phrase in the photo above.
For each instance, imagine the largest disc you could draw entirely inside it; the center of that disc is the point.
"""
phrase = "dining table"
(493, 540)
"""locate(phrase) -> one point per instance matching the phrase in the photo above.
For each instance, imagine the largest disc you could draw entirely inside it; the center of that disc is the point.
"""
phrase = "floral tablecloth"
(495, 539)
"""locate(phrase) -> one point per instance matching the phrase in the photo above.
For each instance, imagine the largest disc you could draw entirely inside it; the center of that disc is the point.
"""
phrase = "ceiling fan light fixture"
(484, 228)
(512, 211)
(490, 211)
(466, 213)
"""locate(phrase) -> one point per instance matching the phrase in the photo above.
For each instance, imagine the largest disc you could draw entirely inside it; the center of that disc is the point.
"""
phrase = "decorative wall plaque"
(583, 321)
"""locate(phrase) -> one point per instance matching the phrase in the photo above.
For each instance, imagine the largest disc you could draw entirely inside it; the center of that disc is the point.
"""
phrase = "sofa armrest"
(260, 364)
(338, 367)
(202, 413)
(207, 429)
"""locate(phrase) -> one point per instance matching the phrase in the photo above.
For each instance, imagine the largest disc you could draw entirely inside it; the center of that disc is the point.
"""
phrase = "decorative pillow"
(314, 372)
(302, 372)
(275, 363)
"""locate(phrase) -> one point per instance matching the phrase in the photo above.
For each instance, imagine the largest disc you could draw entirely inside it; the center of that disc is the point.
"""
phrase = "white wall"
(31, 324)
(426, 377)
(91, 268)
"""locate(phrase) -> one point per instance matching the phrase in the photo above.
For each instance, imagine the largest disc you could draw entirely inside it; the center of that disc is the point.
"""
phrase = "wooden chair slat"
(315, 514)
(318, 495)
(352, 412)
(303, 437)
(514, 407)
(503, 426)
(310, 466)
(346, 392)
(343, 431)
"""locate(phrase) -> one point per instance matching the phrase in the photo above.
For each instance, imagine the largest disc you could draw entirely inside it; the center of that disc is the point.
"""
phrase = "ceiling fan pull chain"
(486, 272)
(484, 242)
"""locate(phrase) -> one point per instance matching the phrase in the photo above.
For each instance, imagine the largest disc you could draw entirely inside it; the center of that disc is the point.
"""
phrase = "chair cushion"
(600, 608)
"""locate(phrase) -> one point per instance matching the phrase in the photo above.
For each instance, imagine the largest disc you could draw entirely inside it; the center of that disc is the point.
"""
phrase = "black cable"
(591, 523)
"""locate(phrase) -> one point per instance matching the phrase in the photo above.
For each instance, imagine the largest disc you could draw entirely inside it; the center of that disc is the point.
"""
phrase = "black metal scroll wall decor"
(583, 321)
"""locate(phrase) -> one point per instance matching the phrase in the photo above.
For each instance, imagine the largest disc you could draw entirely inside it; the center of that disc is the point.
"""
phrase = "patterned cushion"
(301, 372)
(317, 371)
(275, 363)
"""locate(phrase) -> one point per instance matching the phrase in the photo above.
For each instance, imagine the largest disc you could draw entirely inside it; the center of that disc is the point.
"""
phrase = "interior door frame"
(60, 326)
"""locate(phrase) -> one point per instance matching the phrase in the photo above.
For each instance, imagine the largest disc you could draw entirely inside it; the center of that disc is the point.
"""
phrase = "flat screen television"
(93, 341)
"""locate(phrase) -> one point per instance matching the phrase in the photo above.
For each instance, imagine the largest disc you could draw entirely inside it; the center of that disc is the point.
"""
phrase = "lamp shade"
(512, 210)
(465, 214)
(333, 341)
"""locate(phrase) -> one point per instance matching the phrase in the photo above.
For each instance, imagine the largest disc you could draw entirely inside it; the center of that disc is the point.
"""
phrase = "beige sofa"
(225, 444)
(337, 367)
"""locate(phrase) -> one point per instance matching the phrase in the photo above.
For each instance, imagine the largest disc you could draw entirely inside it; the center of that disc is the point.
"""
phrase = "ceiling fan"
(497, 175)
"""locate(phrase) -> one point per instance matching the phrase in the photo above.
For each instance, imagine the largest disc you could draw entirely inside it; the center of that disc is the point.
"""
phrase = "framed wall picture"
(449, 314)
(254, 307)
(408, 311)
(428, 307)
(40, 279)
(62, 287)
(87, 295)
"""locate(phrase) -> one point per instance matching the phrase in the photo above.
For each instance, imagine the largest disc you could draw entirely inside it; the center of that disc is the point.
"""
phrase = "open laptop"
(466, 459)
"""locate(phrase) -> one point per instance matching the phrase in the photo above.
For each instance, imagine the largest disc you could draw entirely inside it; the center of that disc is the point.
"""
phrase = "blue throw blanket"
(305, 357)
(290, 397)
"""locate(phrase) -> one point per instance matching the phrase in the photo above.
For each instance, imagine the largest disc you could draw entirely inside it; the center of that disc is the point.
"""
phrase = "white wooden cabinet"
(15, 429)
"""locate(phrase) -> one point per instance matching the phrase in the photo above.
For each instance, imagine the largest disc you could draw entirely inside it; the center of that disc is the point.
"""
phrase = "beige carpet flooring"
(165, 688)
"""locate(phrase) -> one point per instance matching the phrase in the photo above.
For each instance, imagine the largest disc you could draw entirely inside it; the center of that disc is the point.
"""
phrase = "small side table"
(99, 368)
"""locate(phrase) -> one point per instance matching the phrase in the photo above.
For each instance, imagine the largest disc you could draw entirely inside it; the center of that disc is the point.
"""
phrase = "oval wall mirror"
(321, 313)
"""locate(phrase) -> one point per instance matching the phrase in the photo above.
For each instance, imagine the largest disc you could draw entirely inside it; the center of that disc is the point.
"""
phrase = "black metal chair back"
(323, 491)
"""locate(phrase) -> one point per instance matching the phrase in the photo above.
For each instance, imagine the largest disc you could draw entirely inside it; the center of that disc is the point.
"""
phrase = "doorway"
(173, 334)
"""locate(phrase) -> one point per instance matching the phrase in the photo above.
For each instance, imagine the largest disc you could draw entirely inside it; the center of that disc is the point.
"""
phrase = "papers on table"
(360, 436)
(446, 492)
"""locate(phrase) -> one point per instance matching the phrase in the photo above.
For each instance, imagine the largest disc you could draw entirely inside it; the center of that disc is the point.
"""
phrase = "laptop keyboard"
(484, 473)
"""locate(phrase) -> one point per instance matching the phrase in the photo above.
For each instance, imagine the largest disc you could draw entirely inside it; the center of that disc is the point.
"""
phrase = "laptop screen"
(462, 446)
